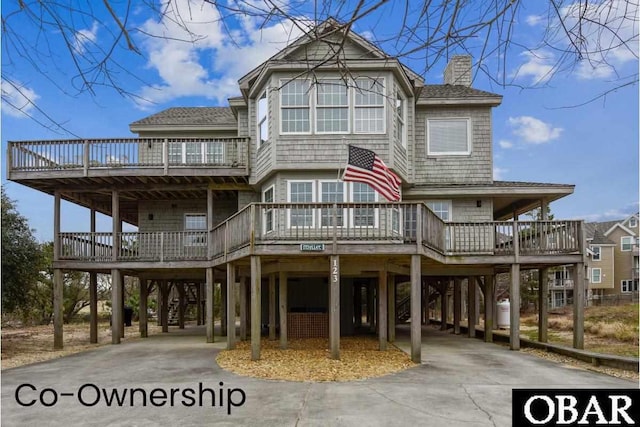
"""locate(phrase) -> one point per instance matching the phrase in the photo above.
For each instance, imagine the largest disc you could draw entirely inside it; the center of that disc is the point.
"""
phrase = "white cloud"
(534, 20)
(539, 66)
(17, 99)
(84, 37)
(499, 173)
(505, 144)
(533, 130)
(195, 55)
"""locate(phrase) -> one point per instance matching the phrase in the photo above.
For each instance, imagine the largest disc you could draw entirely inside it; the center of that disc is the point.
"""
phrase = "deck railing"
(127, 153)
(374, 223)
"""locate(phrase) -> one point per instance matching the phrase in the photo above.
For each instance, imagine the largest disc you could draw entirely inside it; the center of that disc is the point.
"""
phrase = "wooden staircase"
(190, 298)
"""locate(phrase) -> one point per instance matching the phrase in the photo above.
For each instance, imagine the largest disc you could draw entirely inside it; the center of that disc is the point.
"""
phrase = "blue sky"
(539, 133)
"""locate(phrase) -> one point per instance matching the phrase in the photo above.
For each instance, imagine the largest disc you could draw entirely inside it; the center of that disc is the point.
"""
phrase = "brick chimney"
(458, 71)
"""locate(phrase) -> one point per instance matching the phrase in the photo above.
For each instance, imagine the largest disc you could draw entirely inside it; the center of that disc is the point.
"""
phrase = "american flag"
(365, 166)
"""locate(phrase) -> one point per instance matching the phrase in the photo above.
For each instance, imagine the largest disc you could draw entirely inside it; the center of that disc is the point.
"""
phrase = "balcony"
(365, 228)
(127, 156)
(561, 284)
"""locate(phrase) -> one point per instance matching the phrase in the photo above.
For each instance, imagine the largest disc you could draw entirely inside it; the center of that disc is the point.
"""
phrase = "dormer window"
(633, 222)
(263, 118)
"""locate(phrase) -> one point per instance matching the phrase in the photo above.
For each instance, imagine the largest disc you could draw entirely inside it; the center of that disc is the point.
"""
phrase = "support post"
(116, 313)
(416, 309)
(142, 313)
(282, 294)
(198, 304)
(165, 305)
(514, 302)
(122, 288)
(443, 305)
(391, 316)
(58, 309)
(370, 308)
(382, 309)
(272, 307)
(457, 304)
(223, 308)
(357, 301)
(231, 306)
(488, 308)
(256, 279)
(578, 306)
(209, 305)
(243, 308)
(93, 307)
(181, 304)
(543, 308)
(334, 307)
(471, 306)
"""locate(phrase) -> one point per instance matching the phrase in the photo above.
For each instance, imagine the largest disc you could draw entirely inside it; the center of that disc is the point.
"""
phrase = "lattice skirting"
(308, 325)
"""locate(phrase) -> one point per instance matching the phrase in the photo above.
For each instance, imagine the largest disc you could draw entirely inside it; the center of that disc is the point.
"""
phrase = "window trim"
(635, 222)
(203, 152)
(313, 200)
(268, 211)
(345, 196)
(383, 106)
(310, 106)
(260, 120)
(622, 244)
(450, 153)
(449, 202)
(315, 107)
(186, 230)
(376, 213)
(599, 270)
(627, 283)
(593, 250)
(402, 117)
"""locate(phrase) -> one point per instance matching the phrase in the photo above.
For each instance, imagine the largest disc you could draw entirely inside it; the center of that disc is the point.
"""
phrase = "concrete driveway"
(461, 382)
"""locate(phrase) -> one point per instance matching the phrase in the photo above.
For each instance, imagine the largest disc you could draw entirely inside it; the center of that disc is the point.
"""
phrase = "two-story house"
(613, 265)
(250, 195)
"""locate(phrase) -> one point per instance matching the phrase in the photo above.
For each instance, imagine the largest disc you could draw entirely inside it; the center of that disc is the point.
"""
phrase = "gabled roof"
(622, 227)
(599, 238)
(217, 117)
(590, 227)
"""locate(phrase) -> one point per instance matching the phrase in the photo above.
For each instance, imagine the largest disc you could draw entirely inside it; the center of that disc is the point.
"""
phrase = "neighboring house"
(613, 265)
(252, 191)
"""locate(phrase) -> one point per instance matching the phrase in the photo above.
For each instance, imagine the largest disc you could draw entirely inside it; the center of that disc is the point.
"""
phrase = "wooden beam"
(116, 313)
(93, 307)
(543, 308)
(578, 306)
(489, 287)
(457, 304)
(231, 307)
(282, 294)
(382, 310)
(142, 312)
(334, 307)
(416, 309)
(243, 307)
(58, 308)
(181, 304)
(391, 306)
(272, 307)
(256, 302)
(514, 321)
(209, 319)
(164, 285)
(471, 306)
(443, 305)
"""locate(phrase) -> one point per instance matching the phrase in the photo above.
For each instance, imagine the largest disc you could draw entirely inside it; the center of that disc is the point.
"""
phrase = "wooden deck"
(128, 157)
(294, 229)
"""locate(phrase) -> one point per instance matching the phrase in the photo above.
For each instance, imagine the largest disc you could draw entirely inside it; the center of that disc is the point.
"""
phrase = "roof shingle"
(453, 91)
(190, 116)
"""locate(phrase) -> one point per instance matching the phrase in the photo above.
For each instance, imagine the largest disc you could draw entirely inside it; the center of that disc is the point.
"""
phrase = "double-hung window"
(596, 275)
(262, 115)
(195, 226)
(400, 113)
(596, 253)
(196, 153)
(267, 197)
(295, 108)
(448, 136)
(332, 107)
(364, 216)
(369, 106)
(626, 243)
(331, 192)
(301, 192)
(629, 285)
